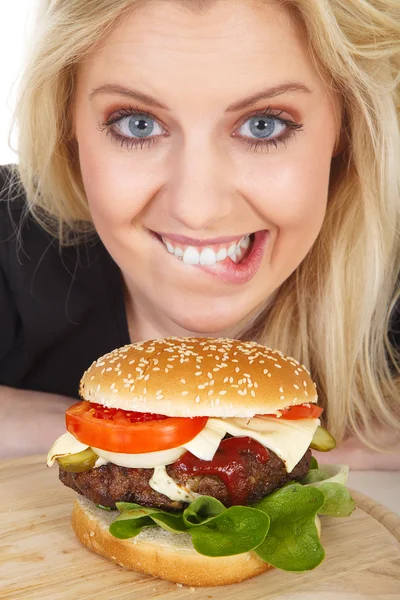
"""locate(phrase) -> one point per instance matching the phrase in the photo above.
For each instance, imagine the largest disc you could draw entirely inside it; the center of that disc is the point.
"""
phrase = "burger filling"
(242, 472)
(111, 455)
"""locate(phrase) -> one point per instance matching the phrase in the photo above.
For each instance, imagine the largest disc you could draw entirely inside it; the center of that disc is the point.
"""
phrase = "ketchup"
(229, 464)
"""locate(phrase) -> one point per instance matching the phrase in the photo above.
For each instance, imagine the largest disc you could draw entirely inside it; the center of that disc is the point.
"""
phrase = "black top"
(60, 308)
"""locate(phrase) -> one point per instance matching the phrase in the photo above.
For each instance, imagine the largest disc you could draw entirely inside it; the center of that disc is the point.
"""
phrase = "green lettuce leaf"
(338, 502)
(326, 473)
(130, 523)
(292, 542)
(313, 463)
(215, 530)
(202, 510)
(238, 529)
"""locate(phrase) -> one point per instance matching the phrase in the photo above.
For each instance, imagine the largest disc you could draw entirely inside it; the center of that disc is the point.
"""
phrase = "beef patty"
(110, 483)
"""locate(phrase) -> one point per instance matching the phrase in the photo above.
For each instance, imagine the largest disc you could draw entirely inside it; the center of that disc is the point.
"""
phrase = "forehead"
(166, 46)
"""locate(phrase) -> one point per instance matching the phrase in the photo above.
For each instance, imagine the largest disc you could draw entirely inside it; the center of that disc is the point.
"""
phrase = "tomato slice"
(302, 411)
(118, 430)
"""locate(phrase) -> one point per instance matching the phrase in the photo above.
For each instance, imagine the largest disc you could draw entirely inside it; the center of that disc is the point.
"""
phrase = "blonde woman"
(224, 168)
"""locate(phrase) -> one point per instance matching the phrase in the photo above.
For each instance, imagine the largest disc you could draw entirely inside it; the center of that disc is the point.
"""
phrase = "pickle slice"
(322, 440)
(79, 462)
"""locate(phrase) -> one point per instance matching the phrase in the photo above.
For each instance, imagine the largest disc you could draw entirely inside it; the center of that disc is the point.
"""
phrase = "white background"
(16, 23)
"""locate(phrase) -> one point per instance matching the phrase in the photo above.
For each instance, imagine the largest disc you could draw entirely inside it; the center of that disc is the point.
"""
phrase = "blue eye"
(262, 127)
(138, 126)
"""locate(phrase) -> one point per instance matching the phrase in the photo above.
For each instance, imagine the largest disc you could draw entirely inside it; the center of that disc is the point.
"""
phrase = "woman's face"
(205, 142)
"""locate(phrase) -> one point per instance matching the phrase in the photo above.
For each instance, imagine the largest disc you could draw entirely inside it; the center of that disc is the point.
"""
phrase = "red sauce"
(229, 464)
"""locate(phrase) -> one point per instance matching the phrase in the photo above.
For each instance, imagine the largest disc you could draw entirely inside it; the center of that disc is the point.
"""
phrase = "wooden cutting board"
(41, 559)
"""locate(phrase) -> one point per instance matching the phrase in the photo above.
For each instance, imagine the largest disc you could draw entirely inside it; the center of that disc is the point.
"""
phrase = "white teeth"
(221, 254)
(191, 256)
(245, 242)
(208, 257)
(232, 250)
(170, 247)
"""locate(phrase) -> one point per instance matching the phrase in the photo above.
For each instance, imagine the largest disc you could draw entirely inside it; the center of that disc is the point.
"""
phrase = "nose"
(199, 193)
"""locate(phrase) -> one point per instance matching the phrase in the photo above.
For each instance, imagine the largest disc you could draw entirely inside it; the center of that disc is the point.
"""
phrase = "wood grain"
(41, 559)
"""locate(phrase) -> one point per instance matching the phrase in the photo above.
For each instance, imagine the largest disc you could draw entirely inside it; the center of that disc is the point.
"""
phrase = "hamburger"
(191, 458)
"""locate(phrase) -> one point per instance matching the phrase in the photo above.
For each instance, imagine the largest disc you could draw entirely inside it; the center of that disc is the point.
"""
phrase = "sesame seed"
(265, 371)
(281, 390)
(282, 397)
(210, 392)
(115, 391)
(278, 366)
(296, 386)
(156, 369)
(197, 398)
(184, 393)
(109, 369)
(253, 393)
(226, 379)
(198, 373)
(201, 387)
(183, 380)
(112, 386)
(237, 369)
(269, 375)
(222, 393)
(305, 383)
(255, 384)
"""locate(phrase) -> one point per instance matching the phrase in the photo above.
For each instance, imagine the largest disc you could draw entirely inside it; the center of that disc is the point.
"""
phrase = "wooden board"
(41, 559)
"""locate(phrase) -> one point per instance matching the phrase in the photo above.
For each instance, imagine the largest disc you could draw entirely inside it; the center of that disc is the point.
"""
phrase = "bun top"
(191, 377)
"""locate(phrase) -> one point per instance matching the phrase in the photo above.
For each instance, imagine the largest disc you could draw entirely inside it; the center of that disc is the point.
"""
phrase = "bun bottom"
(160, 553)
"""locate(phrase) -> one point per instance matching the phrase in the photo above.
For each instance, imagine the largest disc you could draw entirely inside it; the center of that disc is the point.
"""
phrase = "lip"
(226, 271)
(244, 271)
(187, 241)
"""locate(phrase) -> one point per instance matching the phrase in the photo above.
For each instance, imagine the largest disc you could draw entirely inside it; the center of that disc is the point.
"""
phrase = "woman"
(210, 168)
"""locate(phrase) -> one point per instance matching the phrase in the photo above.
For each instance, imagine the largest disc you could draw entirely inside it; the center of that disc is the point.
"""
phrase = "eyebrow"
(265, 94)
(131, 93)
(271, 92)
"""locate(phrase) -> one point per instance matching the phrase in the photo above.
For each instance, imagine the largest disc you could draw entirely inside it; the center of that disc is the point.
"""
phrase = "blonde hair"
(333, 312)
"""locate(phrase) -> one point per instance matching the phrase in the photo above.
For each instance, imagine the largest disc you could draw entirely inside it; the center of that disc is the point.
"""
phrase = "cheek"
(291, 191)
(118, 183)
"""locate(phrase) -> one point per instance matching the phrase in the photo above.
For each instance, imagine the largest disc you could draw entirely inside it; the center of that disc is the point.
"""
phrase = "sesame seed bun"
(190, 377)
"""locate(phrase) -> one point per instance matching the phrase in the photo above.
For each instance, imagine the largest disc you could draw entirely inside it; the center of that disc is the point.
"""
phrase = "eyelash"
(125, 142)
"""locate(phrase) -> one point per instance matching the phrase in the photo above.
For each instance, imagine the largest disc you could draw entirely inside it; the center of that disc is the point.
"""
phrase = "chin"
(208, 320)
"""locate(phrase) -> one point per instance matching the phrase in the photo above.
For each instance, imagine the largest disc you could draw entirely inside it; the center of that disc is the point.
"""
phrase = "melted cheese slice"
(64, 446)
(289, 439)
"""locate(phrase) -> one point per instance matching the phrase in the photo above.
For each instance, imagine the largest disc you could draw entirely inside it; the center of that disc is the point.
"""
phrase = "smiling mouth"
(209, 255)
